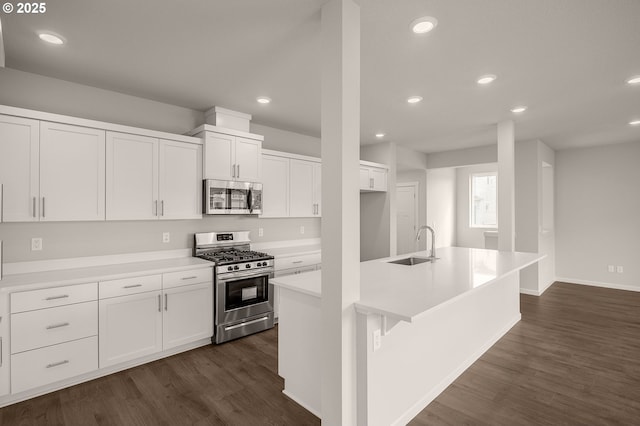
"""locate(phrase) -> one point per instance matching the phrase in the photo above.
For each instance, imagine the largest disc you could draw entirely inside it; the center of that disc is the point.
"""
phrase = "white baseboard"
(547, 286)
(530, 292)
(440, 387)
(301, 403)
(598, 284)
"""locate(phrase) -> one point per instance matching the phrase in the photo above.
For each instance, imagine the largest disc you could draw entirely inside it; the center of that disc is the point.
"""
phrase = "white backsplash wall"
(77, 239)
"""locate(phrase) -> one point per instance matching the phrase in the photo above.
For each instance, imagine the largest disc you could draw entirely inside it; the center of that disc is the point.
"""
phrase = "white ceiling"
(567, 60)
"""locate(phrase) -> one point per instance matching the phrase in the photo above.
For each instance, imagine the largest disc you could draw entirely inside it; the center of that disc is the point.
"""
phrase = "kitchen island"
(418, 327)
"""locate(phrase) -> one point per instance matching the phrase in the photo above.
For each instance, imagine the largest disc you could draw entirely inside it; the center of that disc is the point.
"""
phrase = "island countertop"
(406, 292)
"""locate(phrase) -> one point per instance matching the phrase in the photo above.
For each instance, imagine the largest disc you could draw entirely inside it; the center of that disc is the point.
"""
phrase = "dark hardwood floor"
(574, 359)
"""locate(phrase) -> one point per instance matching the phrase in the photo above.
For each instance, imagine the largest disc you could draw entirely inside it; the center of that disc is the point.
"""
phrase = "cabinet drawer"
(192, 276)
(294, 271)
(52, 297)
(297, 261)
(46, 327)
(133, 285)
(47, 365)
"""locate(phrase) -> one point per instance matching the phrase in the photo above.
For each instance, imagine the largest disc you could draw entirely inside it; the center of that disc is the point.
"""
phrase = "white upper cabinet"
(180, 189)
(72, 173)
(248, 159)
(275, 186)
(19, 169)
(148, 178)
(229, 157)
(317, 188)
(302, 188)
(132, 177)
(373, 178)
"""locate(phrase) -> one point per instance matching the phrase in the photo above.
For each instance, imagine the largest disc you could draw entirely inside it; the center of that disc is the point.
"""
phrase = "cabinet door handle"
(62, 324)
(238, 170)
(43, 207)
(132, 286)
(1, 202)
(233, 170)
(55, 364)
(159, 303)
(371, 183)
(34, 207)
(166, 301)
(155, 208)
(62, 296)
(1, 351)
(189, 278)
(162, 208)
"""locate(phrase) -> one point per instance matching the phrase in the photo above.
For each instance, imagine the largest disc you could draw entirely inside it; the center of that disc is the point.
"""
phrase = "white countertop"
(289, 248)
(406, 292)
(33, 280)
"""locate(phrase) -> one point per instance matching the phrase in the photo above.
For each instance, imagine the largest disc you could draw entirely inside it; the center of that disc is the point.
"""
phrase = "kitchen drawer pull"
(62, 296)
(132, 286)
(55, 364)
(233, 327)
(297, 261)
(62, 324)
(189, 278)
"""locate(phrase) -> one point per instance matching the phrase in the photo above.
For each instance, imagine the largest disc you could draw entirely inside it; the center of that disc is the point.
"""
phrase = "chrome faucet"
(433, 239)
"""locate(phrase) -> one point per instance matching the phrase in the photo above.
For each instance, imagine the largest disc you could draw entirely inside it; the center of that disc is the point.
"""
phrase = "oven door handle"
(243, 274)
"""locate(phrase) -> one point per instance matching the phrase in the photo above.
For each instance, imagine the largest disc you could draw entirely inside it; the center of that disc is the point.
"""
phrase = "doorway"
(407, 216)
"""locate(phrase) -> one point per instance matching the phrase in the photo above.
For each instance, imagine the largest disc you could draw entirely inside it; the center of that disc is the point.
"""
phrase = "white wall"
(441, 205)
(463, 157)
(419, 176)
(378, 227)
(598, 214)
(465, 235)
(76, 239)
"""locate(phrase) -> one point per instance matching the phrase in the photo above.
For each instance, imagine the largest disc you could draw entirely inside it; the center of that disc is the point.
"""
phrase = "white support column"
(340, 208)
(506, 185)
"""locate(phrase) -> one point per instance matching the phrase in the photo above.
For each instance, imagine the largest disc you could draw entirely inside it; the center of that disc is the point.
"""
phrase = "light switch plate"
(302, 229)
(377, 339)
(620, 269)
(611, 268)
(260, 232)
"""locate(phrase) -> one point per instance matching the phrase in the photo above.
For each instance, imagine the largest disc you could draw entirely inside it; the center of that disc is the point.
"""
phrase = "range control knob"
(230, 268)
(236, 267)
(248, 265)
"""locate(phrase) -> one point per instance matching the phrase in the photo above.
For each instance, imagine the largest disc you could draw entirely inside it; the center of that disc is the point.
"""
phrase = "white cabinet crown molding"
(198, 132)
(102, 125)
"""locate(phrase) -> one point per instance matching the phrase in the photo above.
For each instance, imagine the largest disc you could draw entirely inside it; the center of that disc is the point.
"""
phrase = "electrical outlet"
(260, 232)
(36, 244)
(166, 237)
(377, 339)
(620, 269)
(302, 229)
(611, 268)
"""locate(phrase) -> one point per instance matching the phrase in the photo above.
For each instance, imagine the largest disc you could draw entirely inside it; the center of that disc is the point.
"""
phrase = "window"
(483, 203)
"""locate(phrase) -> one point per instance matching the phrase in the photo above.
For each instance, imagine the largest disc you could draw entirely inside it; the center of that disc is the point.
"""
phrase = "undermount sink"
(410, 261)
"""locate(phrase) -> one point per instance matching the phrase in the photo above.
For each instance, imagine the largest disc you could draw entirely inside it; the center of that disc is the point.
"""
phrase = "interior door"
(406, 203)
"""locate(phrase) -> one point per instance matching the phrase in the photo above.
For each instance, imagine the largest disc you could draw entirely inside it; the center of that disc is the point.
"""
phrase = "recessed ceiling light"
(424, 25)
(379, 135)
(51, 38)
(263, 100)
(414, 99)
(486, 79)
(634, 80)
(635, 122)
(519, 109)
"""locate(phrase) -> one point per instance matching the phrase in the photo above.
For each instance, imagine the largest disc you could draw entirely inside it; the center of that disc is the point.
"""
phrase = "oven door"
(242, 295)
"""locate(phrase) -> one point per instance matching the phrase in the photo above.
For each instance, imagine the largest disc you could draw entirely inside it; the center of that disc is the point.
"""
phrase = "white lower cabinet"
(137, 325)
(53, 363)
(130, 327)
(292, 265)
(188, 314)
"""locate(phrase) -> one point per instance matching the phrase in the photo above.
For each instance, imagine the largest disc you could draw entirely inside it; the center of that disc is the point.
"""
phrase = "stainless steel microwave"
(232, 197)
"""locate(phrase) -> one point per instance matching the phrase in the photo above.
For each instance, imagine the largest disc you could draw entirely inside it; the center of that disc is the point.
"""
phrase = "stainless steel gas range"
(243, 297)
